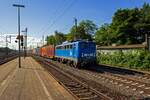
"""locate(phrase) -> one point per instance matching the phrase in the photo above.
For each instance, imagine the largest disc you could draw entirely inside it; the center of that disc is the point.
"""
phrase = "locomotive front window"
(62, 47)
(57, 47)
(83, 45)
(67, 46)
(70, 46)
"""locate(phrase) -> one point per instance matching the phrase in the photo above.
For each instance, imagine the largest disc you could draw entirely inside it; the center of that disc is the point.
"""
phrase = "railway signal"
(21, 38)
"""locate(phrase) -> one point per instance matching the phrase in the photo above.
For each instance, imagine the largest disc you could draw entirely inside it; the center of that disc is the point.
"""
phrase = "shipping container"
(43, 51)
(50, 51)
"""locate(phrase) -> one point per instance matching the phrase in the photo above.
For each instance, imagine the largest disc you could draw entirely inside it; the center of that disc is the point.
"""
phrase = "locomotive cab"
(87, 52)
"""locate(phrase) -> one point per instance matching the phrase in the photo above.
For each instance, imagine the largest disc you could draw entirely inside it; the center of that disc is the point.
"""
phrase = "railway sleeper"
(73, 84)
(95, 97)
(88, 93)
(80, 91)
(76, 88)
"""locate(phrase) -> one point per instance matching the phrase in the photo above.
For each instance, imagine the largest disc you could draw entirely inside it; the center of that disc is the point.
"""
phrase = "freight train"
(76, 53)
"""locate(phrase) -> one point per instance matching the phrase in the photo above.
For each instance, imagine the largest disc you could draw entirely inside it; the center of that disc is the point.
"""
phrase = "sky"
(43, 17)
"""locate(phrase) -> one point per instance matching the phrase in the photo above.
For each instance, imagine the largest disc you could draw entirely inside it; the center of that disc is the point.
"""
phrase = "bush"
(137, 59)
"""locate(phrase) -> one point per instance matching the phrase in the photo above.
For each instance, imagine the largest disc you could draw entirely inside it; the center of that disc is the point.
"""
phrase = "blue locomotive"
(76, 54)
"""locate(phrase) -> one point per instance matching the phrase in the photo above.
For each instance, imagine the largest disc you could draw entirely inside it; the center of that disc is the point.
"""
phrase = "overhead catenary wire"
(60, 8)
(4, 32)
(55, 13)
(60, 16)
(67, 26)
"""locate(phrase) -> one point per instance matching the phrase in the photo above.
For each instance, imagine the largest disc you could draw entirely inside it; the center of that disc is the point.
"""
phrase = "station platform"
(30, 82)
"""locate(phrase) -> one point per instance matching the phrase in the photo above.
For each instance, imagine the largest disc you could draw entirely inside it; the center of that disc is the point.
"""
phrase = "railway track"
(85, 78)
(138, 75)
(77, 88)
(130, 86)
(124, 86)
(137, 83)
(7, 59)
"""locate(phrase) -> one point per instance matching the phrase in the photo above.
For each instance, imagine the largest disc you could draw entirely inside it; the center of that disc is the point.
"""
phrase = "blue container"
(37, 51)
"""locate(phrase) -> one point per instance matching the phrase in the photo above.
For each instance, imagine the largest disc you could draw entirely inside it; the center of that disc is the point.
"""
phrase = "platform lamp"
(19, 6)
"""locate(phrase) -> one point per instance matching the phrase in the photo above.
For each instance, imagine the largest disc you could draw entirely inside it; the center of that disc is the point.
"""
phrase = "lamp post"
(19, 6)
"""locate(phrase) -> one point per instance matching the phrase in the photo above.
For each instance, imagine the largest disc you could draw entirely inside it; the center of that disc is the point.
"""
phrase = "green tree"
(128, 26)
(143, 26)
(85, 30)
(59, 37)
(56, 39)
(103, 35)
(50, 40)
(123, 22)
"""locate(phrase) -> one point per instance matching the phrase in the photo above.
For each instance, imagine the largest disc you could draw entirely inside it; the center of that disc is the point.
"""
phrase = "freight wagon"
(50, 51)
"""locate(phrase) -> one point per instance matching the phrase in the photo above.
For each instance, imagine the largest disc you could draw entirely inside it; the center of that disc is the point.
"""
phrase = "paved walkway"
(30, 82)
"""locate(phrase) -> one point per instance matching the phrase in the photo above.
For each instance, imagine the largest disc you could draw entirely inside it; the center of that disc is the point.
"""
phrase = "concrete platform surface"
(30, 82)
